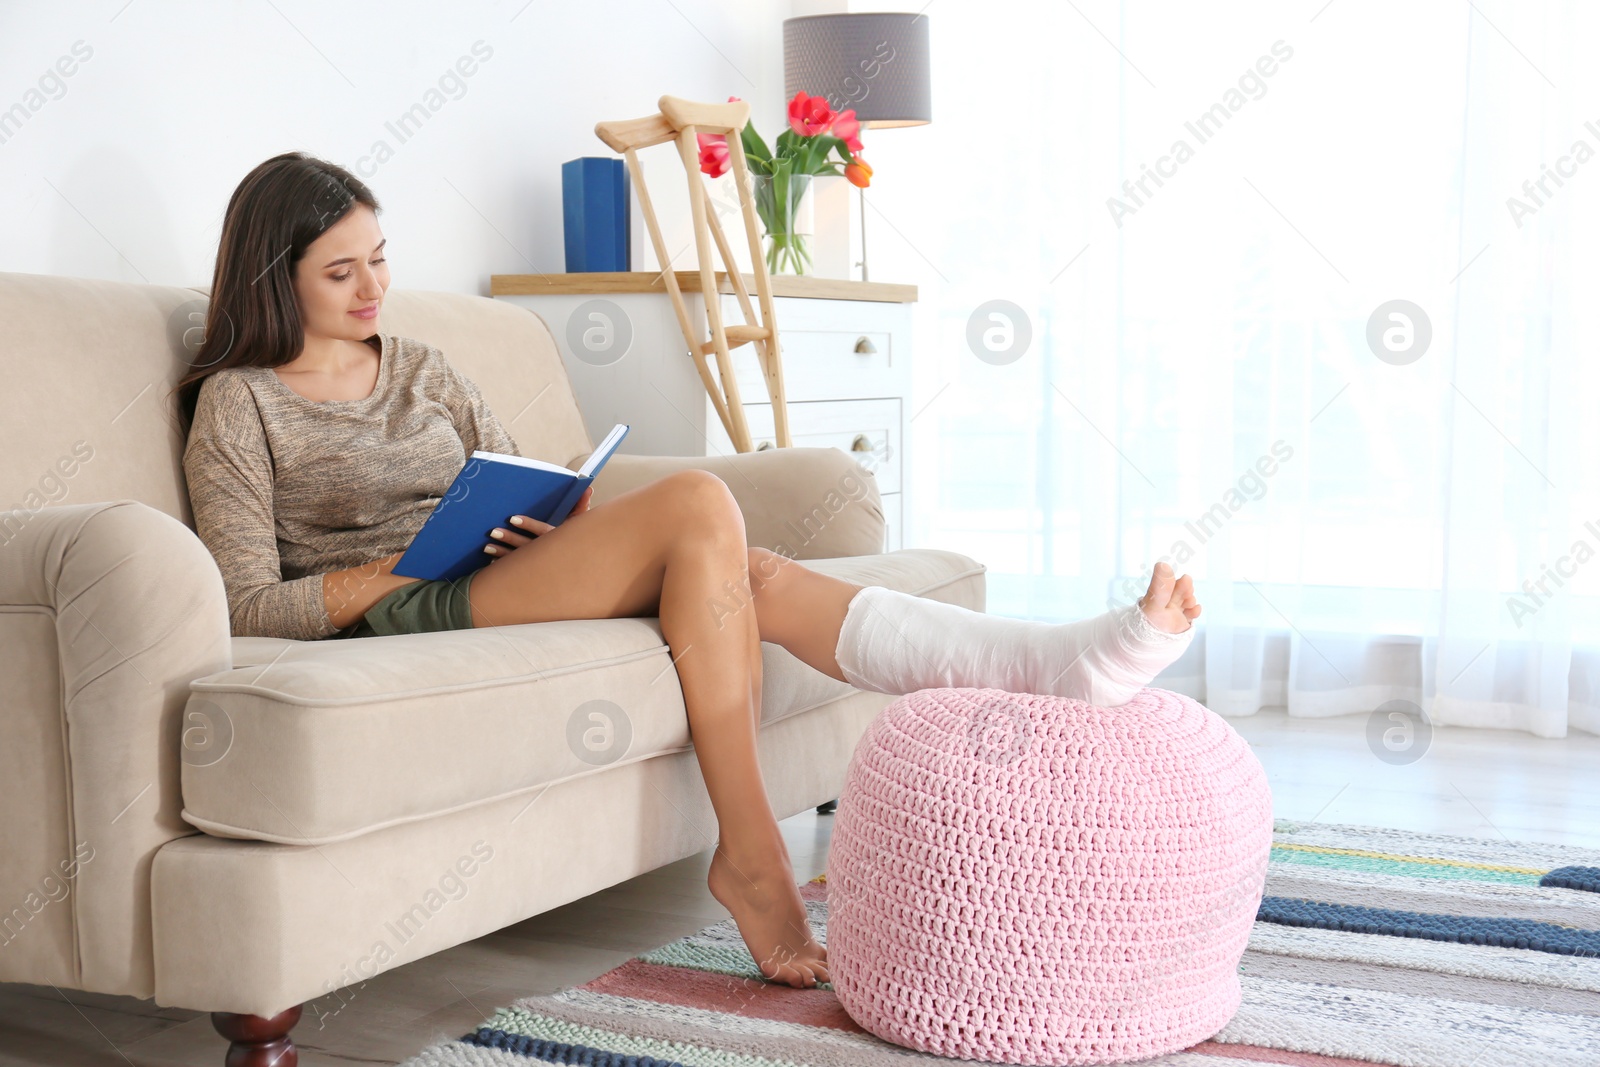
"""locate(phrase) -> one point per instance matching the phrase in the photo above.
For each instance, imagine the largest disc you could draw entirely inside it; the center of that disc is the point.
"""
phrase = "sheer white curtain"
(1194, 216)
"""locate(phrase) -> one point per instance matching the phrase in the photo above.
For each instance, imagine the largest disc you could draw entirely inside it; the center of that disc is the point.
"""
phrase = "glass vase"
(784, 202)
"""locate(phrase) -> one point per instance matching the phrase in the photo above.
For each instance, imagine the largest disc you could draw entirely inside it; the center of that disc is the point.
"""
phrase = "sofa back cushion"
(85, 413)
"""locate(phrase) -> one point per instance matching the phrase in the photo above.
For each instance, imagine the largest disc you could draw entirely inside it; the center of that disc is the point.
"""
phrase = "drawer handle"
(865, 347)
(862, 443)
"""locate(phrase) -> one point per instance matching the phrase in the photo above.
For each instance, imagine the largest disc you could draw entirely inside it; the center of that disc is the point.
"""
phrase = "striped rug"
(1371, 946)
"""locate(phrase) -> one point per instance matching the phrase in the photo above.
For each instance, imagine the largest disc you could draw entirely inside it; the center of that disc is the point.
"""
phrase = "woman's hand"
(509, 537)
(583, 502)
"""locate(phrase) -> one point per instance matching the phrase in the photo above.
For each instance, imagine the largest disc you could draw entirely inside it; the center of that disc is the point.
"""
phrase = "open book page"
(523, 461)
(603, 452)
(590, 465)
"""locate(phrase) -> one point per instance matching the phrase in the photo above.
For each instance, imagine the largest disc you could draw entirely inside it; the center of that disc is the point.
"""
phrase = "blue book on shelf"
(490, 489)
(594, 214)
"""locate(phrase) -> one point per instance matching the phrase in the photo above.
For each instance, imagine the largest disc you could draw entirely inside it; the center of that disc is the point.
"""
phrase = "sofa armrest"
(107, 612)
(805, 503)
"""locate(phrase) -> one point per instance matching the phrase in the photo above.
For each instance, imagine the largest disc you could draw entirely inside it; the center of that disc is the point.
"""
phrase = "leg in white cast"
(893, 642)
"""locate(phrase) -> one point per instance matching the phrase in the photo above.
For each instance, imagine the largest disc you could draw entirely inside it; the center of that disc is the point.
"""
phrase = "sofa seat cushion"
(309, 742)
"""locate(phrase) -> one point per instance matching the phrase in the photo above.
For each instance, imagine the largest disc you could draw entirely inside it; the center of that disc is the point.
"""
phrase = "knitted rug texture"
(1371, 946)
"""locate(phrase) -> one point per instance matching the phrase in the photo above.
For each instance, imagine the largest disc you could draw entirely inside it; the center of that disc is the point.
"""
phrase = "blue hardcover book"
(594, 214)
(490, 489)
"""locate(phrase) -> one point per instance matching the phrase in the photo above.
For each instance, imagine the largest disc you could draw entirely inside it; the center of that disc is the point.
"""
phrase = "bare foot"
(1169, 605)
(771, 917)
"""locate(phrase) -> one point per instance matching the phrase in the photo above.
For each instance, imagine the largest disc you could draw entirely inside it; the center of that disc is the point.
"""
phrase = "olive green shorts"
(419, 608)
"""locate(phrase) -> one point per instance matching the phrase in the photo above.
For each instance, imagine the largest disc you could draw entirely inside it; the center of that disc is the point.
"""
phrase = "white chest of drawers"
(846, 361)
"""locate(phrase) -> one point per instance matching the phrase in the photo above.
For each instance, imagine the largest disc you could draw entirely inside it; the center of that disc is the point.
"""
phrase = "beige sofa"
(246, 825)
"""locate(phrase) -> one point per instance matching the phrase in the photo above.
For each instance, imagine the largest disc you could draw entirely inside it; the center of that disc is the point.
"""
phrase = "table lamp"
(874, 62)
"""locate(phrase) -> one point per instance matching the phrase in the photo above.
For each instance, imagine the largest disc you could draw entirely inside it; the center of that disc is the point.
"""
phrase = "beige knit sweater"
(285, 489)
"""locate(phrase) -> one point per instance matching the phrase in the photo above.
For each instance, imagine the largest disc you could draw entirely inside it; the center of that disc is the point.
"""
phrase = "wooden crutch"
(681, 120)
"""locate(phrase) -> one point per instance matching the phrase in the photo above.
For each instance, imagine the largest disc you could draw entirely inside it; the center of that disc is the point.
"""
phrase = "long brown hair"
(253, 319)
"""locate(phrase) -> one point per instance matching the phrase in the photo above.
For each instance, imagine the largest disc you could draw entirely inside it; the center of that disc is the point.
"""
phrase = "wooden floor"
(1471, 782)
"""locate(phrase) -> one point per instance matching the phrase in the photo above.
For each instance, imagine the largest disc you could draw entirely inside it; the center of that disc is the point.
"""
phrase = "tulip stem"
(788, 253)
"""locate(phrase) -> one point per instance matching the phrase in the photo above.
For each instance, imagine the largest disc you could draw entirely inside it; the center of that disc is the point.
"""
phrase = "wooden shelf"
(601, 282)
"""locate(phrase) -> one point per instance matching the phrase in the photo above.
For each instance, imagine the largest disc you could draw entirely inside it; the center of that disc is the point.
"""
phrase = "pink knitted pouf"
(1035, 880)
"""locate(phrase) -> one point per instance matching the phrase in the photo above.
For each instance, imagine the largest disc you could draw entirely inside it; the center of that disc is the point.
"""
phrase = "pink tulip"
(810, 115)
(848, 129)
(713, 154)
(714, 151)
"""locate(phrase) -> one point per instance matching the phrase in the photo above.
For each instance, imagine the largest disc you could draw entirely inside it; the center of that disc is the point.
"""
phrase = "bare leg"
(676, 548)
(799, 608)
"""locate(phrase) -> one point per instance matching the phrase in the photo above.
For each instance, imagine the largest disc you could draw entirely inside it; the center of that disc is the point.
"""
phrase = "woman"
(319, 445)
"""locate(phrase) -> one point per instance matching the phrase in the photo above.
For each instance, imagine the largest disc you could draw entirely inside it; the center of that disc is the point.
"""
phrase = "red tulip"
(858, 172)
(810, 115)
(848, 129)
(713, 154)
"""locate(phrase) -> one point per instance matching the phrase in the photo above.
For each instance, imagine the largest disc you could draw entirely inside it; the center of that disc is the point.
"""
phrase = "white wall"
(123, 168)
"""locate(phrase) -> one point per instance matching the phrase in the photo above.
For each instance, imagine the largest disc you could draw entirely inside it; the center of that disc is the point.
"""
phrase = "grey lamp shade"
(876, 63)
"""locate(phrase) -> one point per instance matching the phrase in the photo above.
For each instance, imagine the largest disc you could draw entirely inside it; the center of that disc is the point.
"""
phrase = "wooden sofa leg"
(258, 1042)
